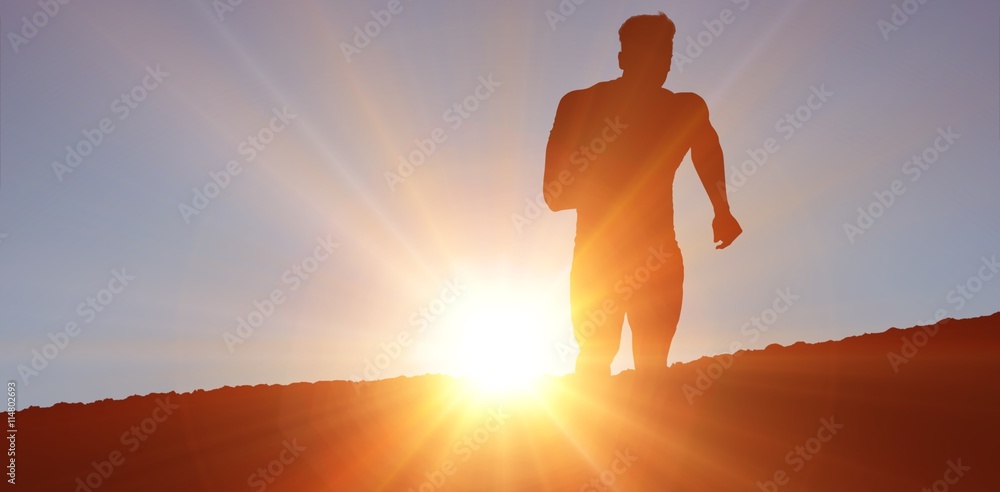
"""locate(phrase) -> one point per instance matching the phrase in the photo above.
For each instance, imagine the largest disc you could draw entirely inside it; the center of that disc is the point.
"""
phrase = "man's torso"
(629, 146)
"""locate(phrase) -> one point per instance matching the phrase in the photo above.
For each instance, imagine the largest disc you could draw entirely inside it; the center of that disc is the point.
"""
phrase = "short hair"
(642, 32)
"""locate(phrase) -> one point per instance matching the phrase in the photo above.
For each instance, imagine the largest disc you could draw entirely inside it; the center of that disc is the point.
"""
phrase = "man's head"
(647, 47)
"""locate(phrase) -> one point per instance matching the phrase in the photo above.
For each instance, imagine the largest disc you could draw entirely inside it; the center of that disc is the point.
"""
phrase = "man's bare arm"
(707, 157)
(706, 154)
(558, 177)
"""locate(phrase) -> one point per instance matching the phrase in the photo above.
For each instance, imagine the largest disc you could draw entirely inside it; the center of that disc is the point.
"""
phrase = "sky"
(195, 194)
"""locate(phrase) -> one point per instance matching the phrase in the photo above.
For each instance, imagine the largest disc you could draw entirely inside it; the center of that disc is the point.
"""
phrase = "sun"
(502, 342)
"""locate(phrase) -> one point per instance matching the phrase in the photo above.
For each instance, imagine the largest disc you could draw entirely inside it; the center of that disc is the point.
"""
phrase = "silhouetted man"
(612, 155)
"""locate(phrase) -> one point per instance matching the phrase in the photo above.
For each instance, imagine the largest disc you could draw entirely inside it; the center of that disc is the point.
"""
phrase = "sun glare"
(501, 342)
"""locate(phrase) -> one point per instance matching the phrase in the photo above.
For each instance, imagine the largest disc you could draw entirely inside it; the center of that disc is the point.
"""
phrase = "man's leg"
(653, 313)
(597, 314)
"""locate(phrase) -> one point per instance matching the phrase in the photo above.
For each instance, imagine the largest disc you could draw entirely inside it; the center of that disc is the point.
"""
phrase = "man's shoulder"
(612, 87)
(689, 105)
(689, 99)
(588, 93)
